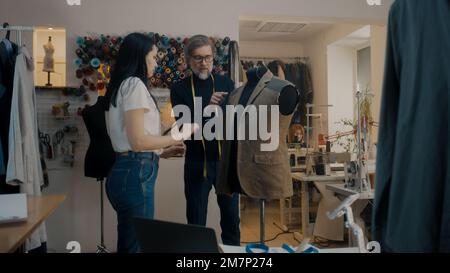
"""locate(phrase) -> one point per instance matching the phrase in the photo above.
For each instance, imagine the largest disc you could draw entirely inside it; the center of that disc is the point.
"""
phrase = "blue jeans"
(196, 190)
(130, 189)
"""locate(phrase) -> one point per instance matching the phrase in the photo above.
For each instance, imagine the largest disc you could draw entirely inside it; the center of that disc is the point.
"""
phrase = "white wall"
(363, 68)
(340, 87)
(316, 49)
(377, 57)
(270, 49)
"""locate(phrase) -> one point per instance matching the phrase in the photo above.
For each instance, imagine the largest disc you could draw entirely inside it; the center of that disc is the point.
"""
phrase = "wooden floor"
(250, 227)
(250, 224)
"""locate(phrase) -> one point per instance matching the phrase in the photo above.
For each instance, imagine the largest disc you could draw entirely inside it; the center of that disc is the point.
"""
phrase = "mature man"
(202, 156)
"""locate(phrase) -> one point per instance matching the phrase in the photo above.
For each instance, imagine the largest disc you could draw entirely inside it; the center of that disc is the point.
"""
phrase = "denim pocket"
(147, 170)
(118, 180)
(148, 174)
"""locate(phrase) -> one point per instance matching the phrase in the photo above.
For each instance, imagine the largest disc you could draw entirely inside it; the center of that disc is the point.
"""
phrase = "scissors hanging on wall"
(45, 140)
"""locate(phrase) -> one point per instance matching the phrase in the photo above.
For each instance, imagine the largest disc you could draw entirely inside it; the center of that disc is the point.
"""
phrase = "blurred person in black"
(412, 191)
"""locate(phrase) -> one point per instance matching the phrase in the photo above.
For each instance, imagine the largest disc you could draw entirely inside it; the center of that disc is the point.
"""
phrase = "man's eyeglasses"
(199, 59)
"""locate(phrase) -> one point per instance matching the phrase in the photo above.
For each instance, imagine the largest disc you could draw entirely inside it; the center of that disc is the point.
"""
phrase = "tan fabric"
(242, 75)
(281, 74)
(262, 175)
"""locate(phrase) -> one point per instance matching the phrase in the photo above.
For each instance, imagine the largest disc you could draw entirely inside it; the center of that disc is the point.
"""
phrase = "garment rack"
(18, 29)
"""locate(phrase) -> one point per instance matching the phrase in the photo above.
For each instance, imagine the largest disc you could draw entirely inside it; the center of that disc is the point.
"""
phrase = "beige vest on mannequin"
(262, 175)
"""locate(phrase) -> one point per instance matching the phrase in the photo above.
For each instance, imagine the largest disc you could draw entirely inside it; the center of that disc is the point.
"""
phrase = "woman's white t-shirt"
(132, 95)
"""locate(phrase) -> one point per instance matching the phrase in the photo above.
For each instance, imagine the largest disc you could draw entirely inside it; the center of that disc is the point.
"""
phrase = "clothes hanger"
(6, 41)
(261, 67)
(8, 33)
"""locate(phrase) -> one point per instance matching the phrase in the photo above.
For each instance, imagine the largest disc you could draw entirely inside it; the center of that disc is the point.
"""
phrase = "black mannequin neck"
(99, 103)
(255, 74)
(100, 99)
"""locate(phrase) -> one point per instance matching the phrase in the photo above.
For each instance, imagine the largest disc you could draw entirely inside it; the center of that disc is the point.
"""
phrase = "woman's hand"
(176, 150)
(134, 124)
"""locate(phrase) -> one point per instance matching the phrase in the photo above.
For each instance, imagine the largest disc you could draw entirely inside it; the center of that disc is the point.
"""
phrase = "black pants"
(197, 189)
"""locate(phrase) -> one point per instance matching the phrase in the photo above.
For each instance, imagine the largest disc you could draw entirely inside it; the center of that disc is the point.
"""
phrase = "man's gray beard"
(202, 76)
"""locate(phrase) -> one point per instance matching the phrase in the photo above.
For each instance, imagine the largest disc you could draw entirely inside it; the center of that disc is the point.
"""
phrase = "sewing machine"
(345, 208)
(297, 159)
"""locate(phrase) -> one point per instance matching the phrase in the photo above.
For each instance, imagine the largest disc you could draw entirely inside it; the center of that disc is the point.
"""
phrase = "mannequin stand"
(48, 79)
(262, 203)
(101, 248)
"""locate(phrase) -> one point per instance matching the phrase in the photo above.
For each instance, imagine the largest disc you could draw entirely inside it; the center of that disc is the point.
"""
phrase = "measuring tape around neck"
(205, 172)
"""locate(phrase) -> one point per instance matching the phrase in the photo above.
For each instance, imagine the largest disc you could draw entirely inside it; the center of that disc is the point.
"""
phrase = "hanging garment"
(281, 74)
(412, 191)
(234, 64)
(293, 76)
(273, 67)
(242, 75)
(2, 162)
(307, 83)
(300, 75)
(277, 68)
(44, 166)
(8, 54)
(246, 65)
(24, 163)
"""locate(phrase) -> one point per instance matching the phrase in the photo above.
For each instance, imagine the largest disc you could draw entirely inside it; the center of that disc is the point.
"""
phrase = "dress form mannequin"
(100, 155)
(49, 62)
(288, 99)
(261, 89)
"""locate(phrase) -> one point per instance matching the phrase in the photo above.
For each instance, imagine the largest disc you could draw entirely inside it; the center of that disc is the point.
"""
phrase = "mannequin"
(244, 167)
(100, 155)
(49, 63)
(287, 98)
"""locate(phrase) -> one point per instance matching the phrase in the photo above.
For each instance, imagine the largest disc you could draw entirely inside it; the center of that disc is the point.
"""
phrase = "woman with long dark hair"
(133, 123)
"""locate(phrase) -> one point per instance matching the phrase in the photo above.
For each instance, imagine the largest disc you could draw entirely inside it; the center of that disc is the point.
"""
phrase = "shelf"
(64, 117)
(55, 88)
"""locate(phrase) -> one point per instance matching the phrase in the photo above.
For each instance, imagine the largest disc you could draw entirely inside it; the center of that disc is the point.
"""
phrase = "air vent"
(249, 24)
(281, 27)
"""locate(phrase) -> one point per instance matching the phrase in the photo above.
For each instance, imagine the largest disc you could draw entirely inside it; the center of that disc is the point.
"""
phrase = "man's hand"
(176, 150)
(218, 97)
